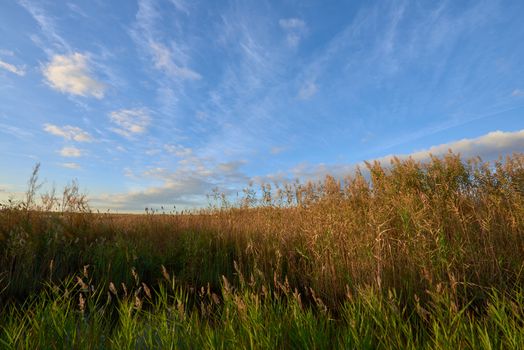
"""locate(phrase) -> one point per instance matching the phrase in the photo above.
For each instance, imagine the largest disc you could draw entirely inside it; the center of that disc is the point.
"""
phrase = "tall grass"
(406, 256)
(248, 319)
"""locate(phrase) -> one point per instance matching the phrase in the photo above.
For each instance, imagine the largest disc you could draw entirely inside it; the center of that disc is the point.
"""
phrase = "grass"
(414, 255)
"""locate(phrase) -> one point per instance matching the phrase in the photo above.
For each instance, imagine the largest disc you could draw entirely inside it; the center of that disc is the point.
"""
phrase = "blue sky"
(157, 102)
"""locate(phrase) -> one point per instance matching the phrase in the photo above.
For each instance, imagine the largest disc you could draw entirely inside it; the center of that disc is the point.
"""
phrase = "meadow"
(413, 255)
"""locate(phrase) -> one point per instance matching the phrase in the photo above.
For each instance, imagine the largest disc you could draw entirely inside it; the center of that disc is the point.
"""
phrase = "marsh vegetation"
(412, 255)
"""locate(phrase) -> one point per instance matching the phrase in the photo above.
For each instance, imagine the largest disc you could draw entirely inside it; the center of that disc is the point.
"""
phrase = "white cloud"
(292, 23)
(488, 147)
(517, 93)
(178, 150)
(70, 165)
(72, 152)
(307, 90)
(295, 29)
(164, 61)
(277, 150)
(181, 5)
(156, 173)
(130, 121)
(293, 39)
(68, 132)
(187, 192)
(12, 68)
(230, 167)
(188, 185)
(152, 151)
(202, 116)
(71, 74)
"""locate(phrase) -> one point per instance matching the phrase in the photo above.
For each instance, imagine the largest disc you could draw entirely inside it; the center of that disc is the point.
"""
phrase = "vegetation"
(413, 255)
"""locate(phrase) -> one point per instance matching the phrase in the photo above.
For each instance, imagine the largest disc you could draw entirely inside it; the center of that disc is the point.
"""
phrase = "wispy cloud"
(47, 26)
(488, 147)
(68, 132)
(307, 90)
(178, 150)
(129, 173)
(168, 55)
(71, 74)
(164, 60)
(292, 23)
(232, 167)
(517, 93)
(20, 133)
(277, 150)
(228, 81)
(12, 68)
(70, 152)
(295, 29)
(170, 59)
(451, 123)
(252, 86)
(181, 5)
(77, 9)
(188, 185)
(71, 165)
(130, 121)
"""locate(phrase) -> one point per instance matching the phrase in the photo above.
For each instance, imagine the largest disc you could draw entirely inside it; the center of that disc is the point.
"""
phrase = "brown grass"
(411, 227)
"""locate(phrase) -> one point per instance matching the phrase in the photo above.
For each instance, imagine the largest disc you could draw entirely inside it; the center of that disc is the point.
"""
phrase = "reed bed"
(409, 255)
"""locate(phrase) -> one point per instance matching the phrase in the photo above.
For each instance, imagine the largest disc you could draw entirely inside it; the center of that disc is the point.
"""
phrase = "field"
(409, 256)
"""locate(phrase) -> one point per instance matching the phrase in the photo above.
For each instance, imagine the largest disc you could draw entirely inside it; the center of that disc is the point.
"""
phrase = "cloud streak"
(130, 121)
(164, 61)
(70, 152)
(46, 24)
(20, 133)
(68, 132)
(295, 29)
(71, 165)
(169, 59)
(181, 5)
(178, 150)
(12, 68)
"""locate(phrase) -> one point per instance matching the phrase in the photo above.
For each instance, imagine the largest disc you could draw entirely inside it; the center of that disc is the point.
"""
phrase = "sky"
(153, 103)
